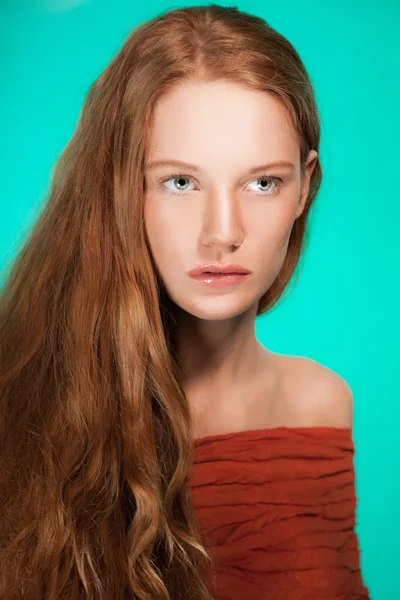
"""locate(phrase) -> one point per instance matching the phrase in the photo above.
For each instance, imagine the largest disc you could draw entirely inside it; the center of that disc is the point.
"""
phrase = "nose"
(222, 221)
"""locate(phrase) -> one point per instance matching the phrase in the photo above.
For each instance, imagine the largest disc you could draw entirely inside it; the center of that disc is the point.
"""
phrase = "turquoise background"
(343, 311)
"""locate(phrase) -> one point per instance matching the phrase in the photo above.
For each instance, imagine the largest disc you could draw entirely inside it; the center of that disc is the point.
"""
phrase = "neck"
(221, 361)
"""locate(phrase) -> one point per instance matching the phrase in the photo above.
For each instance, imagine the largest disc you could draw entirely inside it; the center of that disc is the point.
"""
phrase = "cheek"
(154, 229)
(273, 228)
(273, 234)
(166, 236)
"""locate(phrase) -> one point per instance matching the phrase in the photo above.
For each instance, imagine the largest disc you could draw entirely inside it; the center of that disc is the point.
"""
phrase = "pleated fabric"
(276, 509)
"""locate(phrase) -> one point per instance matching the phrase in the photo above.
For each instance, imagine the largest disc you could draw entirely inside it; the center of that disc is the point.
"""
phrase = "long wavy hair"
(95, 429)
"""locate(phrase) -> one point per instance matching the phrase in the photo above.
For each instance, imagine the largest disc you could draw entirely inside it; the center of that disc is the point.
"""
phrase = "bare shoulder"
(327, 395)
(318, 394)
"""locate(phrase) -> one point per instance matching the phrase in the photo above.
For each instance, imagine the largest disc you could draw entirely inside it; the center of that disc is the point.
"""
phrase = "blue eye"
(178, 177)
(264, 179)
(277, 181)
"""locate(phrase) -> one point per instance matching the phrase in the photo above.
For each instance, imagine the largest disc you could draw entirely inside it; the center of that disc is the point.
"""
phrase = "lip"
(217, 269)
(220, 279)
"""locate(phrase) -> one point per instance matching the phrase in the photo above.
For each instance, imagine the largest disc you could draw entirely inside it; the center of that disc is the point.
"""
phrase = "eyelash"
(277, 180)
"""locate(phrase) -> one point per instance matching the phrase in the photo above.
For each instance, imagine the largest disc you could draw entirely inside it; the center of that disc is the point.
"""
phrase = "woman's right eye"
(177, 176)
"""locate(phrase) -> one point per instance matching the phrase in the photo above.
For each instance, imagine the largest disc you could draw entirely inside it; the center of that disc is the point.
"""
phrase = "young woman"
(151, 448)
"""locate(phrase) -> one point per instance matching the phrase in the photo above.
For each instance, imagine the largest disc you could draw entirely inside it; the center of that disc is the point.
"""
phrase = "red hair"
(95, 429)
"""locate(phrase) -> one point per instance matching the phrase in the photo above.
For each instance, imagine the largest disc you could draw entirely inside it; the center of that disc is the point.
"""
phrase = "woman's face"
(217, 210)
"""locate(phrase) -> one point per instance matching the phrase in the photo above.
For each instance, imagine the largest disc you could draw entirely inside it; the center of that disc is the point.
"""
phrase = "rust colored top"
(276, 508)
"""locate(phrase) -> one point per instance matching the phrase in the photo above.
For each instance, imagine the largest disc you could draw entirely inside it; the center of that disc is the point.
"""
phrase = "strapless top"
(276, 510)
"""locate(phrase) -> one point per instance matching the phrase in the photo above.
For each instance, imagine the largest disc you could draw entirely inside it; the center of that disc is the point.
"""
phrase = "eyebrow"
(180, 163)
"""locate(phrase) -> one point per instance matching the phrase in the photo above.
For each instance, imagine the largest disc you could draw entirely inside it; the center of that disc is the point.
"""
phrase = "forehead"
(208, 122)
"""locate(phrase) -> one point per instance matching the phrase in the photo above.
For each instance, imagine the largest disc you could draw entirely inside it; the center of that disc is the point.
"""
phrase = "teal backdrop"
(344, 309)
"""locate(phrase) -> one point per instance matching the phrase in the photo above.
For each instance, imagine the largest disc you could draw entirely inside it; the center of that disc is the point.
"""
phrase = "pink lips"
(215, 275)
(216, 268)
(220, 279)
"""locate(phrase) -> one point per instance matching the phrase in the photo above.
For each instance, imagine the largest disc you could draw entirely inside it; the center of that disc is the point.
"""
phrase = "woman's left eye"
(262, 181)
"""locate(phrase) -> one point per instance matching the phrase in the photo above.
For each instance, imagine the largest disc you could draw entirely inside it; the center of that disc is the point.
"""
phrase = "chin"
(217, 308)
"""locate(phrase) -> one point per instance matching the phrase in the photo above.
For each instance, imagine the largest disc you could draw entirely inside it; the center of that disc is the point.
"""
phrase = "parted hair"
(96, 442)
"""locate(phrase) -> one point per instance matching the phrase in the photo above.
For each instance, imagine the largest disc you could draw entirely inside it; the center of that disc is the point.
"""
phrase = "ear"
(309, 168)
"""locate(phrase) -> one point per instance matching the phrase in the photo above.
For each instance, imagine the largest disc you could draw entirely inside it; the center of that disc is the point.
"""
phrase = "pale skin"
(222, 213)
